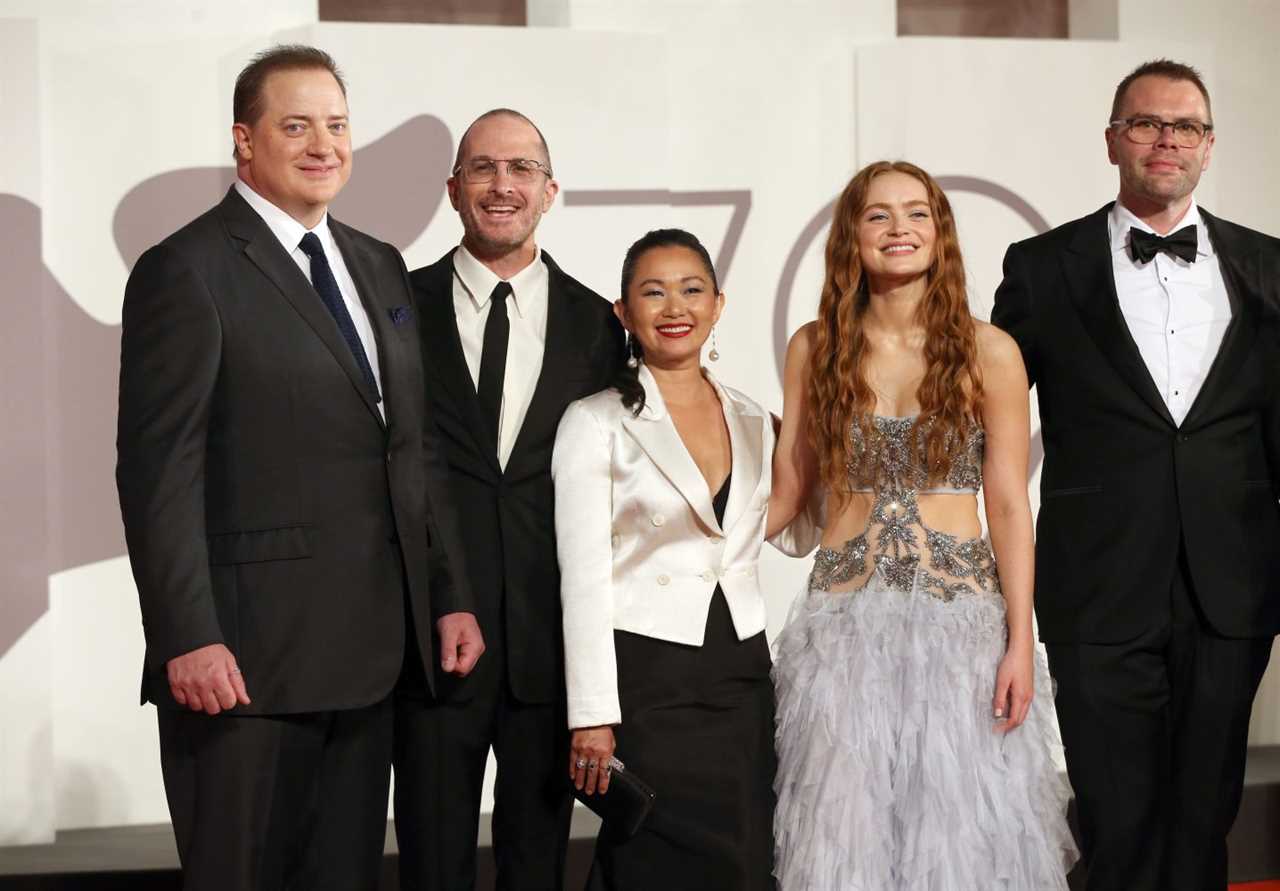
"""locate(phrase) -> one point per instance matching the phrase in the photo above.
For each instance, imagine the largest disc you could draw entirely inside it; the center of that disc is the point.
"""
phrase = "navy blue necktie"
(327, 287)
(493, 359)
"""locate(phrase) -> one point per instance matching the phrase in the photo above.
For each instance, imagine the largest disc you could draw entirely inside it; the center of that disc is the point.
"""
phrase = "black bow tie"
(1143, 246)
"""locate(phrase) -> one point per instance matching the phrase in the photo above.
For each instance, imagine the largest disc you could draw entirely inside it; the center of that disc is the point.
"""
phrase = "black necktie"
(327, 287)
(493, 358)
(1143, 246)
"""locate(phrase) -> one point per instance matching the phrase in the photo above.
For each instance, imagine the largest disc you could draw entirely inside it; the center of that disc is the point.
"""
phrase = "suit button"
(388, 457)
(664, 579)
(708, 576)
(751, 573)
(658, 519)
(1183, 437)
(616, 540)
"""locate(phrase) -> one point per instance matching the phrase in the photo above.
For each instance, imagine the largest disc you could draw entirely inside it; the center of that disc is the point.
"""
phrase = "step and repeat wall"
(741, 123)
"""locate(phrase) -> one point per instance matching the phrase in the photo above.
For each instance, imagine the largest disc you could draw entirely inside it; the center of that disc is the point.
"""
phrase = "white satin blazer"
(639, 546)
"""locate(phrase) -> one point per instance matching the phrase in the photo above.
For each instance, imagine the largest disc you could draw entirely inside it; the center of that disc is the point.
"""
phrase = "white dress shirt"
(289, 231)
(1176, 311)
(473, 282)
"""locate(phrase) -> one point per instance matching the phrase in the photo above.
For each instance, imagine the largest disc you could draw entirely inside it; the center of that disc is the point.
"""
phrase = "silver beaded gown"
(890, 775)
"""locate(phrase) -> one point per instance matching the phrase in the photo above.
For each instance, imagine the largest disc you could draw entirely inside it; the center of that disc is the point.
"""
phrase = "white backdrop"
(741, 124)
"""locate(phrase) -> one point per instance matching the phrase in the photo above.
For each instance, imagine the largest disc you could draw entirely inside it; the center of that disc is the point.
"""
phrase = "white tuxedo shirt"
(1177, 312)
(636, 534)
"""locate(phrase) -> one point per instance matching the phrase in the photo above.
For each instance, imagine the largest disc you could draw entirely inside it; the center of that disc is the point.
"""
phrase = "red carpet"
(1256, 886)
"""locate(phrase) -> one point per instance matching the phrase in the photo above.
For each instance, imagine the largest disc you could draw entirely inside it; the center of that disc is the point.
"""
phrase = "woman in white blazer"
(662, 485)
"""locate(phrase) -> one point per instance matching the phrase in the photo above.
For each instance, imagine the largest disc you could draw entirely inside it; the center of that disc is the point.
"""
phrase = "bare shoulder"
(801, 344)
(996, 349)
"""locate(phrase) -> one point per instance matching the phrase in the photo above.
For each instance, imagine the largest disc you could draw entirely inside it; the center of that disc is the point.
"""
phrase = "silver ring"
(234, 671)
(580, 763)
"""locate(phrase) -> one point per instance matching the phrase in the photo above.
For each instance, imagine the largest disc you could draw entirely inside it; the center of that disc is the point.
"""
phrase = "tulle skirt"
(890, 775)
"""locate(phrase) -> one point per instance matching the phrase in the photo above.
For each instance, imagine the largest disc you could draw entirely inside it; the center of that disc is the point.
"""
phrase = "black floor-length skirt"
(697, 726)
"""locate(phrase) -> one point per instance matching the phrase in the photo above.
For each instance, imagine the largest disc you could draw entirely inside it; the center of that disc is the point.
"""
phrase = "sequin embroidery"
(941, 565)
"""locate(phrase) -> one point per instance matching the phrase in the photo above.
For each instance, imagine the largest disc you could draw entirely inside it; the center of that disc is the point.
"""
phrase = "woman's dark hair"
(627, 380)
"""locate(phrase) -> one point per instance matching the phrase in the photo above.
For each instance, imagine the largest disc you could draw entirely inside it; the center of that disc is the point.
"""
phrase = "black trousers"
(278, 802)
(441, 748)
(697, 726)
(1155, 731)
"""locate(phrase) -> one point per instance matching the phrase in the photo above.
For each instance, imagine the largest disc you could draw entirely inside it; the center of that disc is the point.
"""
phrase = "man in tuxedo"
(1149, 330)
(285, 505)
(511, 340)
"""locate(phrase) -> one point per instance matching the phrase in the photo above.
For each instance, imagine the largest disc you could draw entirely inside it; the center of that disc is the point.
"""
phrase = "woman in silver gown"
(915, 728)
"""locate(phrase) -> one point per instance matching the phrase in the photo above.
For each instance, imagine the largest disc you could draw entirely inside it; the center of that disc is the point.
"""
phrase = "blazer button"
(708, 576)
(664, 579)
(615, 540)
(658, 519)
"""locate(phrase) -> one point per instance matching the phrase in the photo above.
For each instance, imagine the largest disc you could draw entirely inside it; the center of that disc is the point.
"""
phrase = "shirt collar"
(1122, 219)
(527, 285)
(285, 228)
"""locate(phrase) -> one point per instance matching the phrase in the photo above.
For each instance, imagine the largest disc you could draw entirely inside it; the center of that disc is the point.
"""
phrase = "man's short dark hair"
(502, 112)
(246, 102)
(1166, 68)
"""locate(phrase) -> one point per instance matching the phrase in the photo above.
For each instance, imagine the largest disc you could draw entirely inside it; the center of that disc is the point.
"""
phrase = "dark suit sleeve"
(169, 357)
(1270, 342)
(450, 584)
(1013, 311)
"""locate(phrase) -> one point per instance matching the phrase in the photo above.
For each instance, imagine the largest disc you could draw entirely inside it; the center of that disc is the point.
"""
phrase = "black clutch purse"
(624, 807)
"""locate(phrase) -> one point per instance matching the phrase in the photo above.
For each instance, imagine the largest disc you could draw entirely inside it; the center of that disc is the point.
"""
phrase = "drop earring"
(714, 355)
(632, 361)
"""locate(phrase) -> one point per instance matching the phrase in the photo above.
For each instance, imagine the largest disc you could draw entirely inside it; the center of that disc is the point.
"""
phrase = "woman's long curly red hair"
(839, 396)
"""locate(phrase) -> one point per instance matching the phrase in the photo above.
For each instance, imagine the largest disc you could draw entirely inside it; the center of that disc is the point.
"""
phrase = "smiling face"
(895, 232)
(297, 154)
(1163, 174)
(670, 306)
(499, 217)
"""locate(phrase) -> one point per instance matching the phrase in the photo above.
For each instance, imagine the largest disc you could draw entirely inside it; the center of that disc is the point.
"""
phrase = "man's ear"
(244, 142)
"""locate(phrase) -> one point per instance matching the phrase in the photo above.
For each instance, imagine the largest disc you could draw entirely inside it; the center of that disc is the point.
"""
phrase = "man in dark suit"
(512, 340)
(286, 510)
(1149, 330)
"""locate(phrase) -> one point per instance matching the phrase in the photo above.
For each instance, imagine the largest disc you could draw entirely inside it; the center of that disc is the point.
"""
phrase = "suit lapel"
(264, 250)
(433, 287)
(1241, 276)
(746, 438)
(562, 323)
(371, 294)
(655, 433)
(1092, 284)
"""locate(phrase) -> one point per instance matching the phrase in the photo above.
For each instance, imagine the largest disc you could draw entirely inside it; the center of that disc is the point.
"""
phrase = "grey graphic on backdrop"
(396, 194)
(24, 384)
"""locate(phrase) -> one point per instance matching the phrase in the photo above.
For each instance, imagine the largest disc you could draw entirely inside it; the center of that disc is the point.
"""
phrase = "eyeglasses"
(1145, 130)
(484, 170)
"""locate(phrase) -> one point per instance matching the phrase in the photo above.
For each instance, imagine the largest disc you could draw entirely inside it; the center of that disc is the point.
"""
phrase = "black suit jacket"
(509, 517)
(266, 504)
(1122, 484)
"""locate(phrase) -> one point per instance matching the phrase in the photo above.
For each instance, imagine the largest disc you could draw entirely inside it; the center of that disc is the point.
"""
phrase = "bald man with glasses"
(509, 340)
